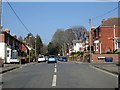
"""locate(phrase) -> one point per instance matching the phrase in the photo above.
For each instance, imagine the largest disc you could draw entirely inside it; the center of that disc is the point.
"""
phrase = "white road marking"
(104, 71)
(55, 65)
(55, 70)
(54, 80)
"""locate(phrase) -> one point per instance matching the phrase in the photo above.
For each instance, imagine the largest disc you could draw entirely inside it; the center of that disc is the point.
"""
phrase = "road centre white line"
(104, 71)
(55, 65)
(54, 80)
(55, 70)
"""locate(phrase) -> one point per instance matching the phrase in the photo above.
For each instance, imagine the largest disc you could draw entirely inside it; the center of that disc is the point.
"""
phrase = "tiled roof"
(111, 22)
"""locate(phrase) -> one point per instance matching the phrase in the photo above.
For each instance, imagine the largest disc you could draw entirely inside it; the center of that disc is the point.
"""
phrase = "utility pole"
(90, 38)
(114, 46)
(0, 15)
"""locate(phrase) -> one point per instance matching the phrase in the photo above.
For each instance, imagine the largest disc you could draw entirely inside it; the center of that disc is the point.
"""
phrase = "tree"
(39, 45)
(78, 32)
(30, 40)
(58, 39)
(52, 49)
(44, 49)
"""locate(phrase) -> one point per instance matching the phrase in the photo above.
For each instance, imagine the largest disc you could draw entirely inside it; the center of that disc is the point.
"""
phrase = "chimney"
(92, 28)
(15, 36)
(102, 21)
(7, 30)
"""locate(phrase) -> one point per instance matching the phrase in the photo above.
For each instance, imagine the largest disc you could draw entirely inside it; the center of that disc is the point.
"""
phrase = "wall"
(2, 38)
(107, 38)
(95, 57)
(2, 50)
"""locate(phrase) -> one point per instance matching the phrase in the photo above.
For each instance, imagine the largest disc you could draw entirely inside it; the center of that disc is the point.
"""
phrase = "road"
(59, 75)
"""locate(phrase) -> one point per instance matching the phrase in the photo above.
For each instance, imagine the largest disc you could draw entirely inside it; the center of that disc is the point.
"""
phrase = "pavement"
(109, 67)
(9, 67)
(106, 66)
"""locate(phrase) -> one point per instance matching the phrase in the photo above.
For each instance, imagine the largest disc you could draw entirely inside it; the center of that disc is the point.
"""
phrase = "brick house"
(106, 37)
(10, 46)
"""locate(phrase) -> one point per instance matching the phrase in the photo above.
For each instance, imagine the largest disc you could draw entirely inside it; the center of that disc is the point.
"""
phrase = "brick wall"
(95, 57)
(107, 39)
(2, 38)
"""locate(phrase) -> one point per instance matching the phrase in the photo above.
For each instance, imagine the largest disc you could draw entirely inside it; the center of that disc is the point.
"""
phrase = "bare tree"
(79, 32)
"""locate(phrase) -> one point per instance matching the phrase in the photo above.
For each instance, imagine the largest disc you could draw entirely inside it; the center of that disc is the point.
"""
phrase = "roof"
(111, 22)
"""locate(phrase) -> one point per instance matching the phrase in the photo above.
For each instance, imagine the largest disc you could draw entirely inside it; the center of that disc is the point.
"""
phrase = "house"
(106, 37)
(10, 47)
(24, 53)
(78, 46)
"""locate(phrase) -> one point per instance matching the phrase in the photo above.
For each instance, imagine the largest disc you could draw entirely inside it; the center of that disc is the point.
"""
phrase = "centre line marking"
(55, 70)
(54, 80)
(55, 65)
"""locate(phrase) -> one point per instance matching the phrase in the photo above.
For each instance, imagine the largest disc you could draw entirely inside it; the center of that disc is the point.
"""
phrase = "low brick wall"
(95, 57)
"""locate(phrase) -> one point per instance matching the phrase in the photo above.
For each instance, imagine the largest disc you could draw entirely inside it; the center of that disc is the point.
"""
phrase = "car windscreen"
(51, 56)
(41, 57)
(64, 58)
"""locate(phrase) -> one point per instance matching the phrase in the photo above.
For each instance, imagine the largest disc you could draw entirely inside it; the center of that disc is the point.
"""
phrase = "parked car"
(63, 59)
(52, 58)
(15, 60)
(41, 59)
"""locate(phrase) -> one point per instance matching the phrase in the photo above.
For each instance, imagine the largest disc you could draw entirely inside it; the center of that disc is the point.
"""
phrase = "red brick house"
(10, 47)
(106, 37)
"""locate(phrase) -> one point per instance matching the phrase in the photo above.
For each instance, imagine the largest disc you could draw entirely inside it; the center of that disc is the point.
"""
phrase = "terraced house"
(11, 48)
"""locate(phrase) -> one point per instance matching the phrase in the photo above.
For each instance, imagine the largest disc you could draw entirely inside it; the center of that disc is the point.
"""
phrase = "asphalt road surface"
(59, 75)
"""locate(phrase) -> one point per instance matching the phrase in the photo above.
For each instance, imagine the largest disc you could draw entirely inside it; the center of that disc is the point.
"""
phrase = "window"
(7, 53)
(118, 44)
(96, 46)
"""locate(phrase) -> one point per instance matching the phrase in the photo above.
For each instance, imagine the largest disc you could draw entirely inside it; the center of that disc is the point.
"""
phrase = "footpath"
(9, 67)
(106, 66)
(109, 67)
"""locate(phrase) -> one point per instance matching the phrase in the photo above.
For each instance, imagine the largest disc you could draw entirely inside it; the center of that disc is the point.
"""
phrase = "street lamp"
(35, 47)
(29, 48)
(0, 15)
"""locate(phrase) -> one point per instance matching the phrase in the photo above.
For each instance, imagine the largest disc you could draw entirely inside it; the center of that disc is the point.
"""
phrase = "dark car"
(64, 59)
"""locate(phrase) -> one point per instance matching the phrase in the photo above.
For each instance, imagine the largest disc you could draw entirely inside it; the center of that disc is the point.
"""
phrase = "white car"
(41, 59)
(15, 60)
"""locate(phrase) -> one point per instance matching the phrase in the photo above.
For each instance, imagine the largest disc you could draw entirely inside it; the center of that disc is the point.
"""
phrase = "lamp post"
(29, 48)
(90, 38)
(35, 47)
(0, 15)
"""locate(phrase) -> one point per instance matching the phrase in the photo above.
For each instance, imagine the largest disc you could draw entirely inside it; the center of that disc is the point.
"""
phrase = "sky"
(44, 18)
